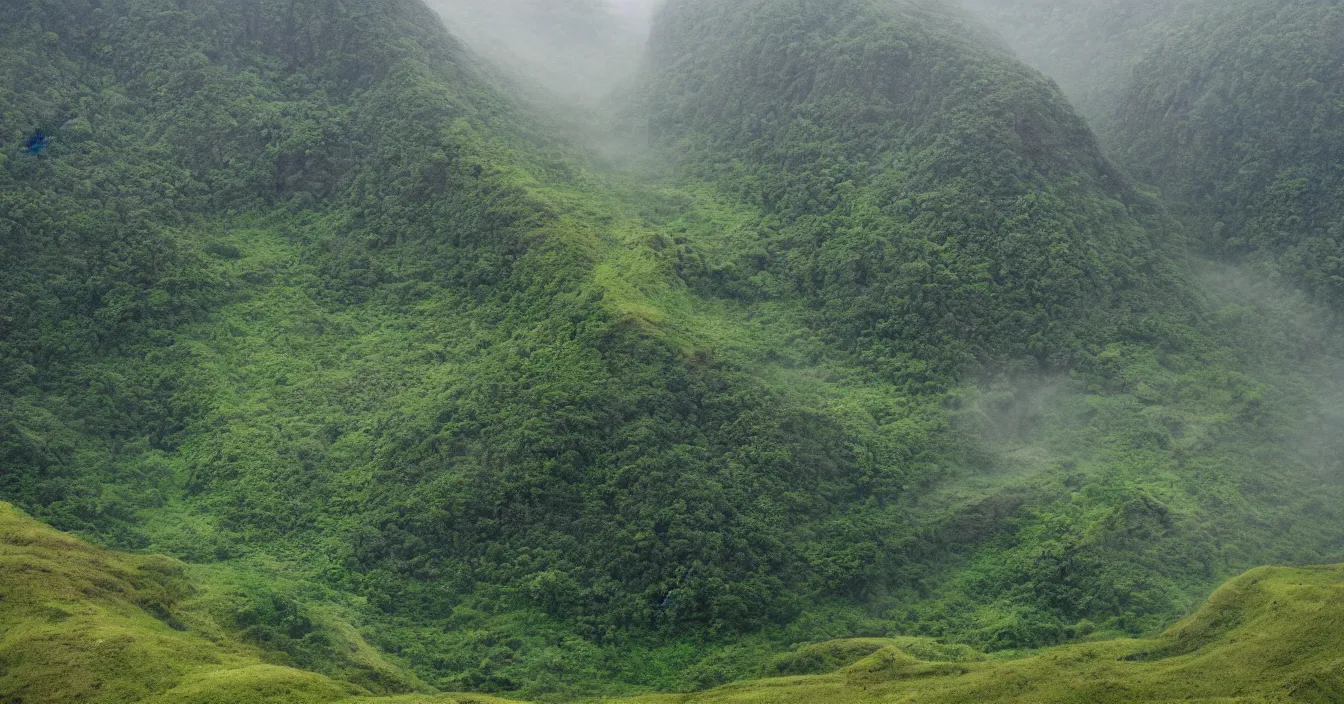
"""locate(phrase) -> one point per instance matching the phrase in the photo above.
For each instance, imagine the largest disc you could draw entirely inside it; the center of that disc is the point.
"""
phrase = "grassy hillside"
(1267, 636)
(428, 401)
(79, 624)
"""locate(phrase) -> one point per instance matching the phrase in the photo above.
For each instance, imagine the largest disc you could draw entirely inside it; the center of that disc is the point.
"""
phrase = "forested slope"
(874, 342)
(944, 216)
(930, 197)
(401, 361)
(1238, 115)
(1232, 109)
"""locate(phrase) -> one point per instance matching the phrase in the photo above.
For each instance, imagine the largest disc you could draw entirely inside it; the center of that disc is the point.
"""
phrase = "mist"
(577, 51)
(1292, 342)
(1086, 46)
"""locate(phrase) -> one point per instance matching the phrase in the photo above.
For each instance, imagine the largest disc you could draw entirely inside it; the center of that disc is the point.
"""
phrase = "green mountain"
(935, 202)
(869, 339)
(1232, 109)
(945, 217)
(1239, 117)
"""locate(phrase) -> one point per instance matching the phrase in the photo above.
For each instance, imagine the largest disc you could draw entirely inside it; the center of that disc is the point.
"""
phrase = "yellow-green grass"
(83, 625)
(1271, 635)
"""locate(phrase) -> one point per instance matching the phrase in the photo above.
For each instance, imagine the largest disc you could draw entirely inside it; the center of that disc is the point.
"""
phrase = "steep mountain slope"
(1088, 46)
(932, 198)
(1239, 116)
(302, 186)
(1231, 108)
(362, 315)
(943, 214)
(407, 365)
(84, 625)
(295, 294)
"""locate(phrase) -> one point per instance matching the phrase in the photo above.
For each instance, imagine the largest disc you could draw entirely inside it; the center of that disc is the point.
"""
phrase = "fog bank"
(576, 50)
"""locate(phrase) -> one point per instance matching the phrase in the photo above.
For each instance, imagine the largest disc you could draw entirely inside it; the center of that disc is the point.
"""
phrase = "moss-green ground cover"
(83, 625)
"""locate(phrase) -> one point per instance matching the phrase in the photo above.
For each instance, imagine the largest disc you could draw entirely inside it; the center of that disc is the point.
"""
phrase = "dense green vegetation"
(943, 215)
(934, 201)
(1232, 109)
(870, 341)
(84, 625)
(1239, 117)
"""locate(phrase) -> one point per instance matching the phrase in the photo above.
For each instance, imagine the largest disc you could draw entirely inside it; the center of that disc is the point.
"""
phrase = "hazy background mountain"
(1231, 108)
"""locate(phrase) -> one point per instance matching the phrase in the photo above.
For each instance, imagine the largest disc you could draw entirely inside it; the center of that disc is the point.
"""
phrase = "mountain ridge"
(314, 304)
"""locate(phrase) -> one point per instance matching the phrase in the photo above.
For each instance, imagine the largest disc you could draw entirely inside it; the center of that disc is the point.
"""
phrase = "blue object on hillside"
(37, 143)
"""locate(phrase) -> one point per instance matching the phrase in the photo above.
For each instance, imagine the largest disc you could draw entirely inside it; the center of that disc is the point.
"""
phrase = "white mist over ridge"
(575, 50)
(1088, 46)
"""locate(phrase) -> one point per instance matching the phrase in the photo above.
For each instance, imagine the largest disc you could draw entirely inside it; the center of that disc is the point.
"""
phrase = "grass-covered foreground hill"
(82, 625)
(874, 342)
